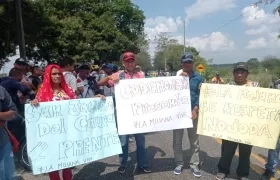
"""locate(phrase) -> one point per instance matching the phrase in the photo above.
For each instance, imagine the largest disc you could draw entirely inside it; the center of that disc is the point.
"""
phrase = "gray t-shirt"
(6, 104)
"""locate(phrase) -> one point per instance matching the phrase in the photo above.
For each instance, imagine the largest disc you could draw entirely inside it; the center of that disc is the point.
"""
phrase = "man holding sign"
(240, 74)
(128, 59)
(195, 82)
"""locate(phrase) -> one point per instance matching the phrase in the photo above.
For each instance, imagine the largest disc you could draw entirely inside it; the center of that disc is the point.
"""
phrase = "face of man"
(20, 66)
(39, 71)
(70, 68)
(84, 74)
(129, 64)
(108, 71)
(240, 76)
(187, 66)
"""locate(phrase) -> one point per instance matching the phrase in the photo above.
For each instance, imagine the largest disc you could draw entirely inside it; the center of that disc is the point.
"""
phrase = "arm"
(9, 109)
(103, 81)
(109, 80)
(73, 83)
(80, 87)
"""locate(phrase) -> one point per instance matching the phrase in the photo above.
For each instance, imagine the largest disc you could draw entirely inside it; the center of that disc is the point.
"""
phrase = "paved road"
(160, 155)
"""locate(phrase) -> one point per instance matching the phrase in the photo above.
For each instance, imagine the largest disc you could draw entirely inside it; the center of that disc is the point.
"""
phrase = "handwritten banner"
(153, 104)
(64, 134)
(242, 114)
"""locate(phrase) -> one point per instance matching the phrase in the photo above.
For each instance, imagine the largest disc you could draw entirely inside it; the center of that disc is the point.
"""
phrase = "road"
(160, 156)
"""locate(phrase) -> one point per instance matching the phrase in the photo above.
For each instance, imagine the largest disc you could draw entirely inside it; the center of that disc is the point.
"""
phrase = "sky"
(228, 31)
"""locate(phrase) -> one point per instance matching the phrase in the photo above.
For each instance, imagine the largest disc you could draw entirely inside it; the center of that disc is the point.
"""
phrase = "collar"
(193, 74)
(134, 72)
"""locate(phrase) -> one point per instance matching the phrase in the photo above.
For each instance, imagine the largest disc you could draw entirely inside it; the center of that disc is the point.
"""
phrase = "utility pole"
(20, 30)
(184, 36)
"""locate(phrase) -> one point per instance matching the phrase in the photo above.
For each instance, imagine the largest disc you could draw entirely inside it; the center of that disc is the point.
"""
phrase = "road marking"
(256, 168)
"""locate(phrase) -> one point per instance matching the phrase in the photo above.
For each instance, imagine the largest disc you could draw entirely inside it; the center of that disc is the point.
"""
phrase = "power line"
(236, 18)
(231, 21)
(239, 16)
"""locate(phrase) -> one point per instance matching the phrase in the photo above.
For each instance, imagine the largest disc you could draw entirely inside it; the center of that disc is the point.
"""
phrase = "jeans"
(141, 150)
(7, 165)
(272, 158)
(194, 144)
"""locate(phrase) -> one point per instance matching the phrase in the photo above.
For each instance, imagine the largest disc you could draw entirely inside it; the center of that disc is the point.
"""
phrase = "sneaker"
(145, 169)
(121, 170)
(221, 176)
(267, 175)
(178, 170)
(196, 172)
(243, 178)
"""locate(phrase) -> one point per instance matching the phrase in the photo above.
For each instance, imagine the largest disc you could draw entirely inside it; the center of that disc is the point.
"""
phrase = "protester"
(12, 84)
(108, 89)
(195, 83)
(36, 80)
(139, 70)
(217, 79)
(7, 113)
(272, 162)
(67, 65)
(55, 88)
(90, 86)
(240, 75)
(129, 63)
(20, 64)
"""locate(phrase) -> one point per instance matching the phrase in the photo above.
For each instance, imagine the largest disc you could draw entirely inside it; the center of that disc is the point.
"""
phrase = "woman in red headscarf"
(55, 88)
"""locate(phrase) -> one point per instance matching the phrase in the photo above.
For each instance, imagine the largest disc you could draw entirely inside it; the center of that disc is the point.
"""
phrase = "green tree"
(143, 59)
(83, 29)
(169, 51)
(253, 65)
(270, 62)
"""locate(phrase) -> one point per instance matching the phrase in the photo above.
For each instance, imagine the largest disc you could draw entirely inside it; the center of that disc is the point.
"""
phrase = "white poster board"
(153, 104)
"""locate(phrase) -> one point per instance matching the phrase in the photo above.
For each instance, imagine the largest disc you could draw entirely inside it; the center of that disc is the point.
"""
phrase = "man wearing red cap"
(129, 72)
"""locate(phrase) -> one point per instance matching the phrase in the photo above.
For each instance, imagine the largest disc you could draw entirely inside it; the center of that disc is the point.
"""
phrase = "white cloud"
(163, 24)
(264, 25)
(214, 42)
(257, 43)
(271, 43)
(204, 7)
(254, 16)
(160, 24)
(260, 30)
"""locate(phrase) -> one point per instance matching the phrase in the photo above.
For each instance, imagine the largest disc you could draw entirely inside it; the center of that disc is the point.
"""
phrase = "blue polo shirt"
(195, 80)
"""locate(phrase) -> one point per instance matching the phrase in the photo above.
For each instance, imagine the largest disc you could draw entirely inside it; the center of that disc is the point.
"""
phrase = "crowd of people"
(64, 82)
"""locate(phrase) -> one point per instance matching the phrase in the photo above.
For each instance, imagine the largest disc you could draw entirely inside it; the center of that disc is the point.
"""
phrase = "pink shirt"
(136, 75)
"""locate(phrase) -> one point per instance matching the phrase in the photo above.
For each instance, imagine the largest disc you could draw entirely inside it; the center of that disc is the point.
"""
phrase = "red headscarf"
(45, 93)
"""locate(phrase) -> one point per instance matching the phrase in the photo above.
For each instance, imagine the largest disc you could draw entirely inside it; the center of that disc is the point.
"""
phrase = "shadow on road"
(161, 164)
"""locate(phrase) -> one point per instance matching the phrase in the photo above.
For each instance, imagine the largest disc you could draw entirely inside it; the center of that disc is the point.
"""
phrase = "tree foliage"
(84, 29)
(170, 51)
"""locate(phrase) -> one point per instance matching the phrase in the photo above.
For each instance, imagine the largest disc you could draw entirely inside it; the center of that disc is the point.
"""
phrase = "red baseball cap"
(128, 56)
